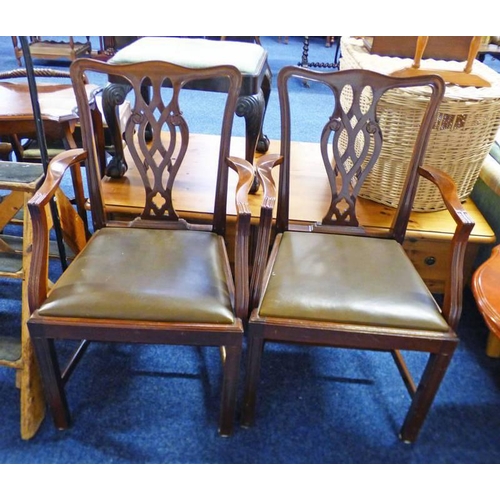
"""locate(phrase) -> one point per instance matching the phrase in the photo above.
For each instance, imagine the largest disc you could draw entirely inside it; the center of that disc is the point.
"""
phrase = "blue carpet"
(148, 404)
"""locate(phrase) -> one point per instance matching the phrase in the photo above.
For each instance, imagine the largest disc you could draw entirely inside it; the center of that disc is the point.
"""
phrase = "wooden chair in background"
(164, 280)
(335, 283)
(465, 78)
(20, 176)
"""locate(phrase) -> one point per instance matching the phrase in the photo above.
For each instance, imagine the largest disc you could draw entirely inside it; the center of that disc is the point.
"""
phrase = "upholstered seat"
(195, 53)
(152, 289)
(385, 290)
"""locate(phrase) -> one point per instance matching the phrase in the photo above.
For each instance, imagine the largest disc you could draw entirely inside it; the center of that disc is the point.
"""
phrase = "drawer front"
(432, 261)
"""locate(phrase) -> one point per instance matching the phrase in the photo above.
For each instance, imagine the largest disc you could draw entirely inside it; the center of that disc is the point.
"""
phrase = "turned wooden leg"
(229, 389)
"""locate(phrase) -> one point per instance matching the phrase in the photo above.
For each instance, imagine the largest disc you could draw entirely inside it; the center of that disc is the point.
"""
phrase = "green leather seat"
(102, 284)
(328, 277)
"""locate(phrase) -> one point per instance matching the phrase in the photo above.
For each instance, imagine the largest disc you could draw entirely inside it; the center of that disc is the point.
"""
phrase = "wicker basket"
(462, 137)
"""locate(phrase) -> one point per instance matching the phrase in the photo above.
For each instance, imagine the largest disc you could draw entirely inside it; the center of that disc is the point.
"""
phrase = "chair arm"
(55, 172)
(246, 175)
(38, 285)
(264, 167)
(453, 295)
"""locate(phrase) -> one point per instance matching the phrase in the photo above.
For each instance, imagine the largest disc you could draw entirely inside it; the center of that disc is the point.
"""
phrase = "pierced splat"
(350, 145)
(157, 136)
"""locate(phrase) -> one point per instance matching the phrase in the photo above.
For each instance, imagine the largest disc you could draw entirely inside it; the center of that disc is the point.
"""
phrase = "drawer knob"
(430, 261)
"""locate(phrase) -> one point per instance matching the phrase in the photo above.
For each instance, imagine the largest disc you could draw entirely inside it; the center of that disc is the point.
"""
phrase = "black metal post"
(42, 142)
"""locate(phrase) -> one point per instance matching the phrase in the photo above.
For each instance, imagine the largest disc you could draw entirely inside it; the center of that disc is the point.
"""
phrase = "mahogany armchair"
(157, 279)
(335, 283)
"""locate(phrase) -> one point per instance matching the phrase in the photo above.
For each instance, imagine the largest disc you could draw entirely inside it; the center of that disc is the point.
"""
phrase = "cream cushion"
(194, 53)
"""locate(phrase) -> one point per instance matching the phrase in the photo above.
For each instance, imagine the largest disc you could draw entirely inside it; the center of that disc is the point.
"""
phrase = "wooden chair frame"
(45, 329)
(341, 219)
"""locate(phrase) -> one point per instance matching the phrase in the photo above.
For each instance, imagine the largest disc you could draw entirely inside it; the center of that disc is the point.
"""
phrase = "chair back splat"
(160, 274)
(335, 283)
(352, 139)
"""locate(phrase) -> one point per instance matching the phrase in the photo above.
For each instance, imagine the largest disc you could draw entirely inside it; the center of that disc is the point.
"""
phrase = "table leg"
(251, 108)
(305, 57)
(264, 142)
(113, 96)
(493, 346)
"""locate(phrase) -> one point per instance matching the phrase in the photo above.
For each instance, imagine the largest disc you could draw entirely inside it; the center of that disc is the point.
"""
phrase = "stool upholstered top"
(194, 53)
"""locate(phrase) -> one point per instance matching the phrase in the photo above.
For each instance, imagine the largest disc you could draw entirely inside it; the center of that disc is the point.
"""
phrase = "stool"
(486, 290)
(249, 58)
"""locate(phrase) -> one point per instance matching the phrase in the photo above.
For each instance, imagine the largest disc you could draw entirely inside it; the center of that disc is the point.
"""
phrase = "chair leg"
(52, 382)
(424, 396)
(229, 389)
(255, 349)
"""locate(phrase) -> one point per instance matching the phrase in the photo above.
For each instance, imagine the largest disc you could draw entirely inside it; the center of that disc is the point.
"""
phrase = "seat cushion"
(20, 176)
(194, 53)
(145, 275)
(348, 279)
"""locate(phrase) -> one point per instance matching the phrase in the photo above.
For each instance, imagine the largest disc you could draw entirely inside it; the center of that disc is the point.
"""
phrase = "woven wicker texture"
(464, 132)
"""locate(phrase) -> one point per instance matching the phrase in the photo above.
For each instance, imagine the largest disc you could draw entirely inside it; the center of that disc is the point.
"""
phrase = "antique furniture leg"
(112, 97)
(263, 142)
(425, 393)
(231, 361)
(53, 383)
(255, 348)
(305, 57)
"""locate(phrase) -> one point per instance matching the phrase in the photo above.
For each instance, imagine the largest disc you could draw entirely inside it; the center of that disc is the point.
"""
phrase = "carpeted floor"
(146, 404)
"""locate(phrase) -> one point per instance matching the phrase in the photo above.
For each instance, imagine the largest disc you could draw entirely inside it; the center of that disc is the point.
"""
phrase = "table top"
(193, 192)
(485, 287)
(57, 101)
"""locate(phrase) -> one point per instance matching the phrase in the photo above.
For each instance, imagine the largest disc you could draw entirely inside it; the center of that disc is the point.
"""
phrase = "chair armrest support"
(264, 166)
(246, 175)
(453, 296)
(41, 221)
